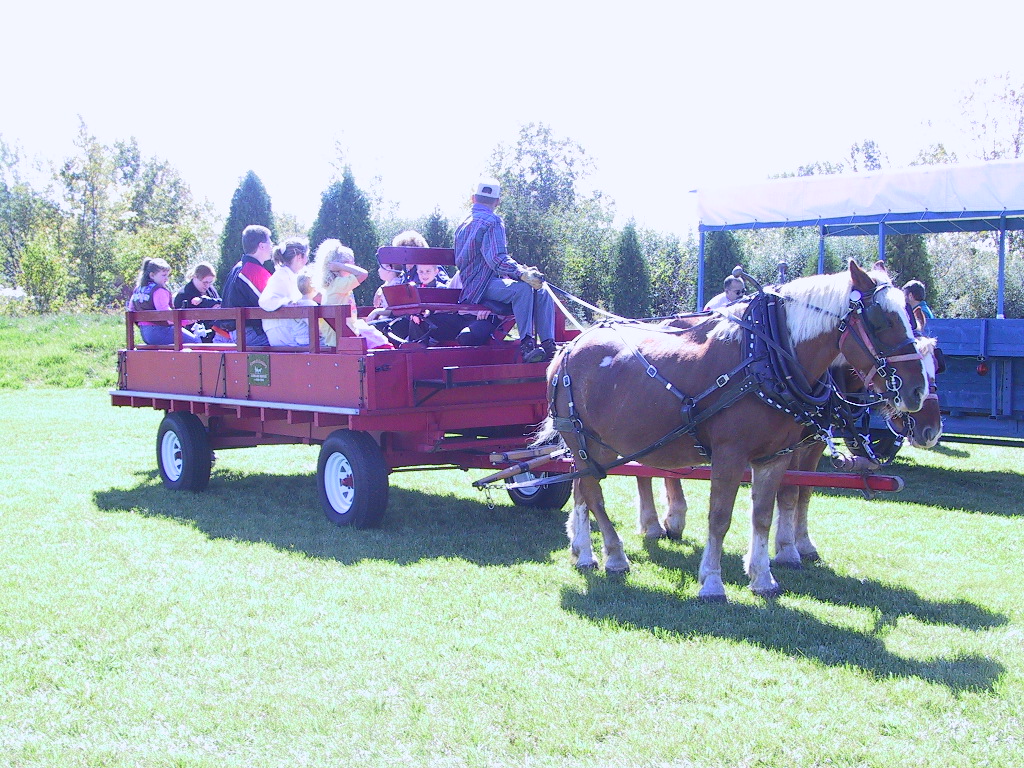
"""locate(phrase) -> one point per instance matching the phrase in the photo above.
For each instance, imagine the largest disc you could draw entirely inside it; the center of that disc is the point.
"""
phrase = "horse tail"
(546, 434)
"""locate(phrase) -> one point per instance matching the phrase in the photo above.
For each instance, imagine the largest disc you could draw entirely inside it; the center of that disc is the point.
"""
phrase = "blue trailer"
(982, 389)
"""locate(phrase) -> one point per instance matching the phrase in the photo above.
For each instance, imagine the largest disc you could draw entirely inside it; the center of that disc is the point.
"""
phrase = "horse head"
(877, 340)
(923, 428)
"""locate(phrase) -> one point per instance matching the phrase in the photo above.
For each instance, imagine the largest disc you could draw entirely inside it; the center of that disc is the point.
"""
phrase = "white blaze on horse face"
(607, 361)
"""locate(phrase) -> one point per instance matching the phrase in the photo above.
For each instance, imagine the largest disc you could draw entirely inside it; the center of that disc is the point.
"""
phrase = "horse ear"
(880, 266)
(860, 279)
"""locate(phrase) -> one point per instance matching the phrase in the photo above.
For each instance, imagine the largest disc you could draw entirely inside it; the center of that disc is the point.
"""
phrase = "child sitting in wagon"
(339, 276)
(151, 293)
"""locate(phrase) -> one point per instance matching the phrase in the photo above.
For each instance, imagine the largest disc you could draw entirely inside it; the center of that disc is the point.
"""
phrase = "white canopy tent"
(922, 199)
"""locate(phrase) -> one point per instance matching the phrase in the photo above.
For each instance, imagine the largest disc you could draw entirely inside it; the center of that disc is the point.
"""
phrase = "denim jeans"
(534, 310)
(164, 334)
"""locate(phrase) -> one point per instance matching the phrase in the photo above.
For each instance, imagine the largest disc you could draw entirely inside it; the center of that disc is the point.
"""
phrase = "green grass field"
(144, 627)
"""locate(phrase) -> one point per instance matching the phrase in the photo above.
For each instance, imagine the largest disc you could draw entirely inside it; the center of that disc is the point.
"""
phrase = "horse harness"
(769, 370)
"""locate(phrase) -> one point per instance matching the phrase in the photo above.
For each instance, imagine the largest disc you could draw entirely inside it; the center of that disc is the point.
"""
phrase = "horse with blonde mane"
(735, 392)
(793, 544)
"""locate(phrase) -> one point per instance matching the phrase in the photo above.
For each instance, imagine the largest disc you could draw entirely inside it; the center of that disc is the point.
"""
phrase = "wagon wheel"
(183, 452)
(551, 496)
(352, 478)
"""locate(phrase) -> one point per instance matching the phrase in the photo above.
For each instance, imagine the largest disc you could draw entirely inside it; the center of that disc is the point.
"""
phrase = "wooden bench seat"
(408, 299)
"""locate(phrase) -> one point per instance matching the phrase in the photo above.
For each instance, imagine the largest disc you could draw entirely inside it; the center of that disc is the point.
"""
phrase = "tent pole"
(821, 249)
(1001, 284)
(700, 273)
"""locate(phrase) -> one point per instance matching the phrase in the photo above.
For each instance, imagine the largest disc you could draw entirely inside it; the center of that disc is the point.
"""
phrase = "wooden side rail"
(334, 315)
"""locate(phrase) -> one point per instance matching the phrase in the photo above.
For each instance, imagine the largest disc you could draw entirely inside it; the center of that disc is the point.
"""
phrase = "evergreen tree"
(438, 231)
(345, 214)
(906, 258)
(673, 272)
(722, 252)
(249, 205)
(630, 290)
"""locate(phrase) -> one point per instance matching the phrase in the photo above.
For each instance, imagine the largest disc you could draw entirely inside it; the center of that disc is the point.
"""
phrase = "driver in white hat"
(490, 274)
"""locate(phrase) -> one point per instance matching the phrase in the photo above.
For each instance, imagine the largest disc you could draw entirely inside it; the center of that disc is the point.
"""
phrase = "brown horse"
(792, 540)
(793, 543)
(676, 399)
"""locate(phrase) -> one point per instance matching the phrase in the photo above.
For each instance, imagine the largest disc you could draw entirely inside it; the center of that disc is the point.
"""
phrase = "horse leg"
(725, 481)
(806, 460)
(804, 545)
(615, 560)
(675, 517)
(577, 527)
(786, 553)
(647, 512)
(789, 498)
(764, 487)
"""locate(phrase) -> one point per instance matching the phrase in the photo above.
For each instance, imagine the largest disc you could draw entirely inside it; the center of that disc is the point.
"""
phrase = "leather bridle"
(861, 325)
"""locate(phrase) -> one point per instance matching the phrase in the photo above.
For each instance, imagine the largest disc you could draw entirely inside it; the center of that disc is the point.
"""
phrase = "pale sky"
(664, 96)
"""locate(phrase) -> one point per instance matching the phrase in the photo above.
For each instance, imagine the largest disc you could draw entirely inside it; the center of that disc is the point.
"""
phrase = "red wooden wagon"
(372, 411)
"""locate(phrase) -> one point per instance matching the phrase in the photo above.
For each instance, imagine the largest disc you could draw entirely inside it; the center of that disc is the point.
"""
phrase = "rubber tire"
(183, 452)
(545, 497)
(352, 479)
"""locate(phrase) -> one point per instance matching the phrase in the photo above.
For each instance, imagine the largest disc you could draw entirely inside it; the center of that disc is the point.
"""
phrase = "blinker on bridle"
(865, 320)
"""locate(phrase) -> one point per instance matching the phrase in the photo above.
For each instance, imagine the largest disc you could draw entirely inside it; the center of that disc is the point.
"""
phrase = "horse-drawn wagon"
(371, 411)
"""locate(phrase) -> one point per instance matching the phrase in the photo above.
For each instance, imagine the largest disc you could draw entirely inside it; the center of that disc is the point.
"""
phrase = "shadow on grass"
(792, 631)
(284, 511)
(949, 449)
(987, 493)
(820, 582)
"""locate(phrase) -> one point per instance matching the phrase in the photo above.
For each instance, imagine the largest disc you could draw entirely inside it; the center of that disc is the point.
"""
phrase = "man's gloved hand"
(532, 277)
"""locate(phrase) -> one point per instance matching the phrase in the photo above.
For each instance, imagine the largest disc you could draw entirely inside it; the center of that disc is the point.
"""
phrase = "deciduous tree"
(540, 177)
(90, 198)
(24, 212)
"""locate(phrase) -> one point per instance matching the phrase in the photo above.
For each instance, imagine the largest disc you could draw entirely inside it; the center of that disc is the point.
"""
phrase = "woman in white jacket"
(283, 291)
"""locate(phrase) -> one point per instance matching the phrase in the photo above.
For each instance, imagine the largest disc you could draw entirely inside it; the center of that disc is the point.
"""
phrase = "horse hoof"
(586, 567)
(813, 557)
(616, 571)
(787, 564)
(768, 594)
(674, 535)
(712, 599)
